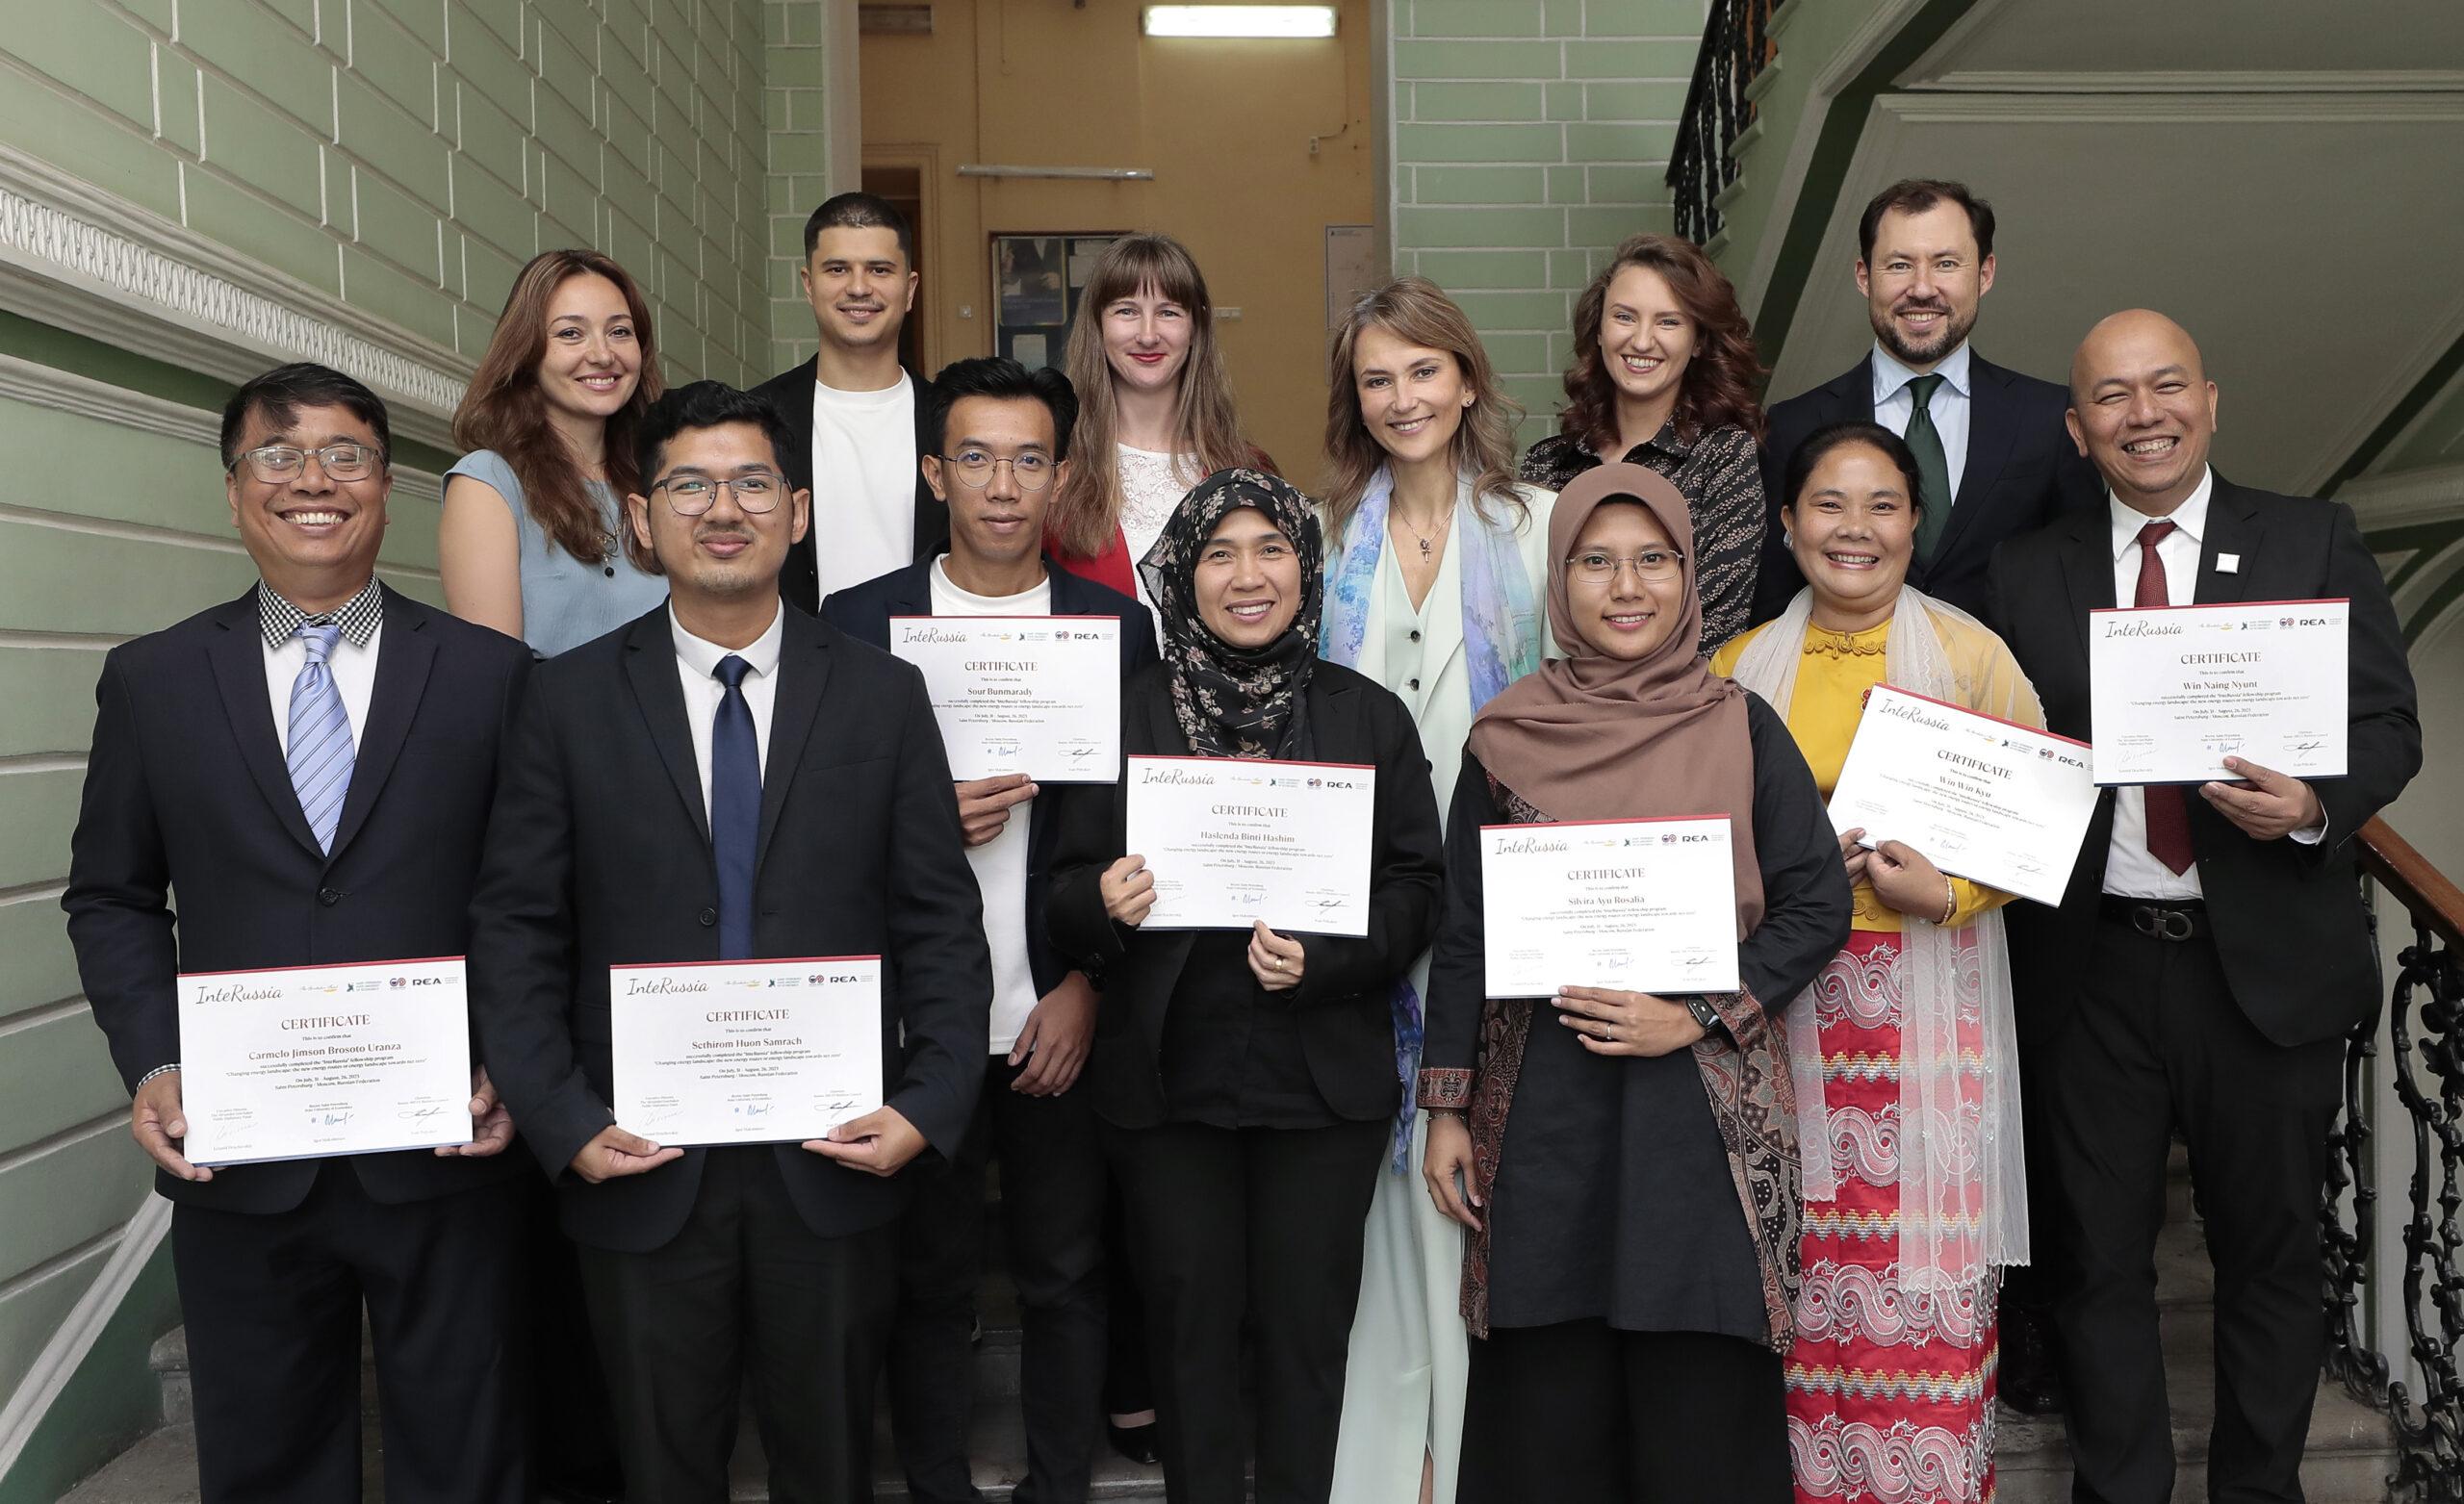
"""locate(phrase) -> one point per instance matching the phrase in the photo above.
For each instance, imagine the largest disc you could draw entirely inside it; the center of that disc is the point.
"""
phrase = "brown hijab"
(1592, 737)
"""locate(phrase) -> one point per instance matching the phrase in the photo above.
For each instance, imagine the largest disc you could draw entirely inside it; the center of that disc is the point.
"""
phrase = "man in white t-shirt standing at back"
(851, 410)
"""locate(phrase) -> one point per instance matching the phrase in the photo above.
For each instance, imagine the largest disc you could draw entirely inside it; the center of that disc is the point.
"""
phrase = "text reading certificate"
(1983, 798)
(1645, 905)
(2172, 691)
(316, 1060)
(1232, 841)
(1038, 694)
(746, 1052)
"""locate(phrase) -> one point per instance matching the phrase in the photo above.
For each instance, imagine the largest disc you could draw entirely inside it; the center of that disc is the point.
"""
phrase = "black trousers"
(1583, 1410)
(1262, 1223)
(272, 1305)
(745, 1291)
(1052, 1215)
(2156, 1042)
(572, 1447)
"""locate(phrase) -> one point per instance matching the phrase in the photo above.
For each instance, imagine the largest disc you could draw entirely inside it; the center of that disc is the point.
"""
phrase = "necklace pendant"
(1424, 542)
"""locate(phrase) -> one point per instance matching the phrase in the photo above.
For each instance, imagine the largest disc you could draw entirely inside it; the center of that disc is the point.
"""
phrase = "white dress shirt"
(2129, 870)
(1894, 404)
(697, 663)
(352, 664)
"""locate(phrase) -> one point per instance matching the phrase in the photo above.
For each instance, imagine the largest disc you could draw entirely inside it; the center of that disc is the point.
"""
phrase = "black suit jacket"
(2290, 928)
(599, 855)
(1347, 1028)
(186, 790)
(863, 612)
(2022, 470)
(791, 391)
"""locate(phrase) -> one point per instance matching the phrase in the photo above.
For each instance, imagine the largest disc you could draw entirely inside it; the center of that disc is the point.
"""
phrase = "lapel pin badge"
(2228, 563)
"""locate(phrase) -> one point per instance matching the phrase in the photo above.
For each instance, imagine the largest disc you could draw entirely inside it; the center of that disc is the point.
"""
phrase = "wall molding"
(2406, 497)
(2138, 106)
(75, 1338)
(61, 390)
(75, 256)
(2175, 81)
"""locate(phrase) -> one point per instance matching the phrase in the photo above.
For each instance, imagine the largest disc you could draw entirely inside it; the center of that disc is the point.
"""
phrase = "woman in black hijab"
(1247, 1080)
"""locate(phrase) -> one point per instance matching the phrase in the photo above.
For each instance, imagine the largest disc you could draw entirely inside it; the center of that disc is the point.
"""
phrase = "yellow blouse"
(1833, 675)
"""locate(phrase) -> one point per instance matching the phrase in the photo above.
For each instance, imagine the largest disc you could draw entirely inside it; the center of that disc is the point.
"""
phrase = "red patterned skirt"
(1891, 1391)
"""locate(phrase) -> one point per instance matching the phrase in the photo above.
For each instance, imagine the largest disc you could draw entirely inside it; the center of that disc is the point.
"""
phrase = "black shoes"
(1135, 1442)
(2030, 1380)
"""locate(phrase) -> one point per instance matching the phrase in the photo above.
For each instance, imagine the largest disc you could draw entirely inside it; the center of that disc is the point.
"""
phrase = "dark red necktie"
(2168, 814)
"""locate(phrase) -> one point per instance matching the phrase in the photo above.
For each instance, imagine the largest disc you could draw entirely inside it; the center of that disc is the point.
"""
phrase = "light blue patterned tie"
(320, 750)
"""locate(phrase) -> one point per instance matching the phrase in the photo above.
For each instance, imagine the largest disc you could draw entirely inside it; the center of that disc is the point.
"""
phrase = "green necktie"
(1933, 471)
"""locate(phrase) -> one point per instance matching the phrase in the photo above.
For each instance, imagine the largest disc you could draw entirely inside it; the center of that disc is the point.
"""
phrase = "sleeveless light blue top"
(566, 602)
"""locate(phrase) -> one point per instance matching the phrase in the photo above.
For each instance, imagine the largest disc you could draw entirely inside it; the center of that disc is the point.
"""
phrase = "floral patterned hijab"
(1237, 701)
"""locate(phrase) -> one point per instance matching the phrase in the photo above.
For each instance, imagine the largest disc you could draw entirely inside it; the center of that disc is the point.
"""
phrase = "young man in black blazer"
(853, 413)
(310, 767)
(1000, 448)
(727, 779)
(1925, 263)
(2211, 949)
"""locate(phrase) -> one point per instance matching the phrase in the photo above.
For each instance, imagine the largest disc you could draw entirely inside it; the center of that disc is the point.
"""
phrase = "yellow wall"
(1224, 125)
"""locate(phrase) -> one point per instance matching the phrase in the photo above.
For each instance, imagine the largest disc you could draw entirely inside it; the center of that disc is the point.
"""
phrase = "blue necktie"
(321, 751)
(735, 808)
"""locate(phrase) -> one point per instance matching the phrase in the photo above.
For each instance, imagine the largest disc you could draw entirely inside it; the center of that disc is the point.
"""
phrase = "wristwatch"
(1704, 1015)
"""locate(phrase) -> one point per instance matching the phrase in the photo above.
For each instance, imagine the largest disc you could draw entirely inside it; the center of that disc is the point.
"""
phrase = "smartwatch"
(1704, 1015)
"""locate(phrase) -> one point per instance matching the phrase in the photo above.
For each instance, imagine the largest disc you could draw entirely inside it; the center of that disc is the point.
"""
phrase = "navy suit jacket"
(863, 612)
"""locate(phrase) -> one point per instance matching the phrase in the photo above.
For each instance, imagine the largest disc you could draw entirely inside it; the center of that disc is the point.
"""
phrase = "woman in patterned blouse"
(1664, 377)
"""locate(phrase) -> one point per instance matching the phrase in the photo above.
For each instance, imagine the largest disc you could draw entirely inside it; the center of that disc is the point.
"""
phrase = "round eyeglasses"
(1598, 567)
(275, 464)
(975, 469)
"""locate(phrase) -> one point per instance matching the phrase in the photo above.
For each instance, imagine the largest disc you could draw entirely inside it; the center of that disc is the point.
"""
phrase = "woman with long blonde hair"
(1436, 582)
(1155, 411)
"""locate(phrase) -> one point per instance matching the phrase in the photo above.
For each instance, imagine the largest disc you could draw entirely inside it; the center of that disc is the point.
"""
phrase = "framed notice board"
(1036, 282)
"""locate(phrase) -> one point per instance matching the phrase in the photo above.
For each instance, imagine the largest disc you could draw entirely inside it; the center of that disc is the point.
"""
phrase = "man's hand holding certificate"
(1038, 694)
(746, 1052)
(2175, 690)
(300, 1063)
(1233, 841)
(1645, 905)
(1983, 799)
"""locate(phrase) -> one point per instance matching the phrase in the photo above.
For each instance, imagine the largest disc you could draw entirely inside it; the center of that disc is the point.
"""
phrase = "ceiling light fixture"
(1240, 20)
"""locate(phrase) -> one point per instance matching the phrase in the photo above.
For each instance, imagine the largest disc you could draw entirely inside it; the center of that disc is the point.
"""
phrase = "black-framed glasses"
(975, 468)
(273, 464)
(1598, 566)
(691, 495)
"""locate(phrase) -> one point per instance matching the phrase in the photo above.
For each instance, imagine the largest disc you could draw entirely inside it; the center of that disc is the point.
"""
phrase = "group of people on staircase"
(1308, 1217)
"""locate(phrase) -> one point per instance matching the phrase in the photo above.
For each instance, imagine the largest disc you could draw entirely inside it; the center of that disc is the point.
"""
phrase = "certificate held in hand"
(1983, 798)
(2172, 691)
(746, 1052)
(1038, 694)
(1231, 841)
(308, 1062)
(1646, 905)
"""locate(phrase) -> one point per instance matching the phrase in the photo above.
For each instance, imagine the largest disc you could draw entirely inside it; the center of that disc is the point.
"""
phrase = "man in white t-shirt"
(852, 410)
(1001, 437)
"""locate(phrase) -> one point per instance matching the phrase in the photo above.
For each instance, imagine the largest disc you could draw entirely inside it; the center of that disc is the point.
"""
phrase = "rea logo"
(423, 981)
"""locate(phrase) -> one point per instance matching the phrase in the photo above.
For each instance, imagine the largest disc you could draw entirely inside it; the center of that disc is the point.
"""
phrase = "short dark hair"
(1000, 377)
(1915, 195)
(1819, 444)
(282, 392)
(859, 211)
(704, 404)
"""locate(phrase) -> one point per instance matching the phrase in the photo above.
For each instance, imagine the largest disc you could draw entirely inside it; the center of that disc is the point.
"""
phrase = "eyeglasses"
(1598, 567)
(276, 463)
(691, 495)
(974, 468)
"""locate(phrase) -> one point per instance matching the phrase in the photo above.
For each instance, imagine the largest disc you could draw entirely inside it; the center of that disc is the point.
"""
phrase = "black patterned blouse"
(1721, 474)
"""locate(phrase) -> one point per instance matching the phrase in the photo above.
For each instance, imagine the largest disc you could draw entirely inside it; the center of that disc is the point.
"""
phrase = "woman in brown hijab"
(1627, 1162)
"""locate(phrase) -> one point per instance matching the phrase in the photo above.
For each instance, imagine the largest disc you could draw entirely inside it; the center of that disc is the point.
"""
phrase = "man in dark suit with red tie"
(2211, 952)
(301, 778)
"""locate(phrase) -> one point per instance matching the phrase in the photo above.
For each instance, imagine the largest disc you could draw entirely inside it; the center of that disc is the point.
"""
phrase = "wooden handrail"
(2416, 883)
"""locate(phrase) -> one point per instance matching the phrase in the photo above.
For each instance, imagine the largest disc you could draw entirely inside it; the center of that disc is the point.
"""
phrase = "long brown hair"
(1087, 512)
(1718, 387)
(505, 411)
(1415, 310)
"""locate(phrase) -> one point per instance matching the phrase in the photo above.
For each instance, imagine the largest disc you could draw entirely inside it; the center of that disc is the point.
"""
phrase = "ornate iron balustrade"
(2425, 1020)
(1736, 43)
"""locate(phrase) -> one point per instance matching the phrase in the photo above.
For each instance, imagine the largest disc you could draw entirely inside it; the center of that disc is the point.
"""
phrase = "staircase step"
(2345, 1461)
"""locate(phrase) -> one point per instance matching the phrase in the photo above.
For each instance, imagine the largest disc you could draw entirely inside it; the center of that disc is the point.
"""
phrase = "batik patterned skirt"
(1890, 1391)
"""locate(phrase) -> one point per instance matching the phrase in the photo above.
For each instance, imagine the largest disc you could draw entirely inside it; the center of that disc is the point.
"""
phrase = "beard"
(1954, 328)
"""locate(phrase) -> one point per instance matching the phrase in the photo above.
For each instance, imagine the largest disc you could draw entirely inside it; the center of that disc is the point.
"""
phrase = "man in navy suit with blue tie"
(298, 779)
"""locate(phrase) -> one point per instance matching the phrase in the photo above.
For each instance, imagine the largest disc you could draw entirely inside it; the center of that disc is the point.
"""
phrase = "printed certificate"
(1038, 694)
(1983, 798)
(309, 1061)
(1235, 840)
(2172, 691)
(1646, 905)
(746, 1052)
